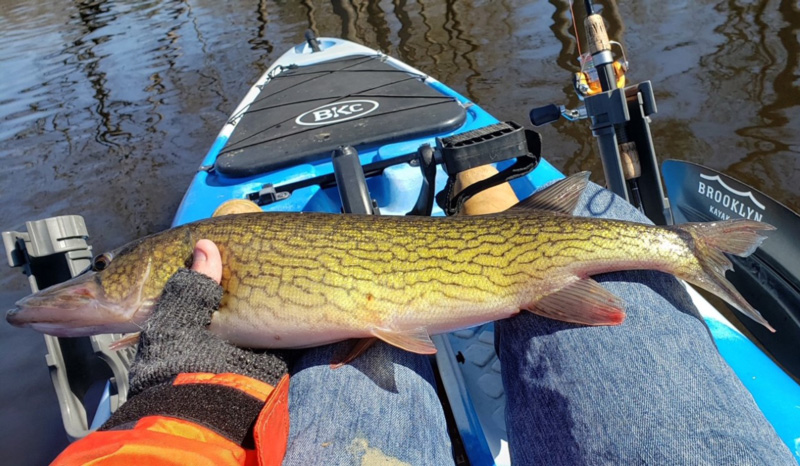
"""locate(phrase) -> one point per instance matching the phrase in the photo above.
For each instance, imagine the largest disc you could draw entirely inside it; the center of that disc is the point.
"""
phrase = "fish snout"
(45, 307)
(58, 309)
(75, 308)
(13, 317)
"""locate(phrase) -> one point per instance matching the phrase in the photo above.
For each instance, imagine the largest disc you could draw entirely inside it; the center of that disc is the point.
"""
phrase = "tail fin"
(739, 237)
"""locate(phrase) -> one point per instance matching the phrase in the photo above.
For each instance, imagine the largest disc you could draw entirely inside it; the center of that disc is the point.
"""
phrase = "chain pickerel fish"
(294, 280)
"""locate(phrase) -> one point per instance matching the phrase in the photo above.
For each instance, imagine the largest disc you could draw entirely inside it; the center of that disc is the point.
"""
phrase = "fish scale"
(383, 285)
(295, 280)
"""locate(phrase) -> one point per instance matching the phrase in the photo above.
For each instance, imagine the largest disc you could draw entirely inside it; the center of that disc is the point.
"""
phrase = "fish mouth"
(24, 318)
(71, 309)
(14, 318)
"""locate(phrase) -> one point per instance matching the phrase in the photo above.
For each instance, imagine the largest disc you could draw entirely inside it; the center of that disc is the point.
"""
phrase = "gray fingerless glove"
(175, 339)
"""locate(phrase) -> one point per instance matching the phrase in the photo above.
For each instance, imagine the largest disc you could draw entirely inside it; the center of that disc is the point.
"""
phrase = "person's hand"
(175, 339)
(183, 371)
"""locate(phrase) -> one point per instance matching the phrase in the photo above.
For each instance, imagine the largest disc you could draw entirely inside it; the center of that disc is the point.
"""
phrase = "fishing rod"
(620, 120)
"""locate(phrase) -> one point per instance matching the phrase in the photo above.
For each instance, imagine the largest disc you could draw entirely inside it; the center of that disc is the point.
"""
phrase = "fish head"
(116, 295)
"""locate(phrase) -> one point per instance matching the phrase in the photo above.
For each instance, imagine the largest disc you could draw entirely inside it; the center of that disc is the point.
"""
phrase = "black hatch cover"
(304, 113)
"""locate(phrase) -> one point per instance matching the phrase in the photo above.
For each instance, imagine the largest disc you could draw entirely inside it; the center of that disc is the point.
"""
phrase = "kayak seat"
(304, 113)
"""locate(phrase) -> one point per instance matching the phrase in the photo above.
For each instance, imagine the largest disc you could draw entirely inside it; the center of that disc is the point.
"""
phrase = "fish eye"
(100, 262)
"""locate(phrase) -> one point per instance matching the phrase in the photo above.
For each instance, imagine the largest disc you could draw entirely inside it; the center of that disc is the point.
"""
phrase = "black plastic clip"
(426, 158)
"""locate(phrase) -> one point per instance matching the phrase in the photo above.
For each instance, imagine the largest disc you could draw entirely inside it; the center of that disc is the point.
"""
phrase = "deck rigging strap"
(305, 112)
(491, 144)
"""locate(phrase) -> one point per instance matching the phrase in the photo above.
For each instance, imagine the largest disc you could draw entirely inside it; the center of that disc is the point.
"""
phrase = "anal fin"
(415, 340)
(581, 302)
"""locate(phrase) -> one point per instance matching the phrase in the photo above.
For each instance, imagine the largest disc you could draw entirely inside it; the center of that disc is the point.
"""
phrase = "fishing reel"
(586, 81)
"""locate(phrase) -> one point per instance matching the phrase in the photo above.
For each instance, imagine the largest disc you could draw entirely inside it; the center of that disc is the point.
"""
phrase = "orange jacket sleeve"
(197, 419)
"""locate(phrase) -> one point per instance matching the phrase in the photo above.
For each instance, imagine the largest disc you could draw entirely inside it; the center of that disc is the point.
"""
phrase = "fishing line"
(575, 28)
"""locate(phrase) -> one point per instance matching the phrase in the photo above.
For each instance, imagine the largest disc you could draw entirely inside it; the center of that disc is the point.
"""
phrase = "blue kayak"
(276, 149)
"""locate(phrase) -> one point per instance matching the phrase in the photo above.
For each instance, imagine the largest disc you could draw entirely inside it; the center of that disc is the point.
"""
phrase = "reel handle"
(545, 115)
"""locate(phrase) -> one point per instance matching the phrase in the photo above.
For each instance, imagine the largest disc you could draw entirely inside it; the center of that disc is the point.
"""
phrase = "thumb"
(207, 260)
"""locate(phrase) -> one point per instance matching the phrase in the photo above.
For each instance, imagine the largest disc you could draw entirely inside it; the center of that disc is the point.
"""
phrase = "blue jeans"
(651, 391)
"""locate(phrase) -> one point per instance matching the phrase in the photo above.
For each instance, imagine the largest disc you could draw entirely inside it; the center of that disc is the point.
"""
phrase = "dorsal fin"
(562, 196)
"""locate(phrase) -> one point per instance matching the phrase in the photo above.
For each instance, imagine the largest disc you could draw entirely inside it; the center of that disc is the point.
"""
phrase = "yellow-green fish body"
(305, 279)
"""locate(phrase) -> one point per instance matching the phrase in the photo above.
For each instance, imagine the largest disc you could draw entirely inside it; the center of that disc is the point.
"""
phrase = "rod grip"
(629, 158)
(596, 34)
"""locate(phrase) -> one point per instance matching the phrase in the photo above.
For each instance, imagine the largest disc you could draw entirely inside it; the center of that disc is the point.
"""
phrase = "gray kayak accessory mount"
(88, 376)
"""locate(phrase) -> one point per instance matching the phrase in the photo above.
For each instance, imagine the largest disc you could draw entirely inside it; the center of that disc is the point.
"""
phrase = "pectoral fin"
(128, 341)
(581, 302)
(415, 340)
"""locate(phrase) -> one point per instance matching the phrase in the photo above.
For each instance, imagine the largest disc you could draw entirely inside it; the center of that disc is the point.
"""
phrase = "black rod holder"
(351, 181)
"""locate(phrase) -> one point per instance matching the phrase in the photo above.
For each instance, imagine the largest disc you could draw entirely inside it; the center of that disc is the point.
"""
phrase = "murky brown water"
(107, 107)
